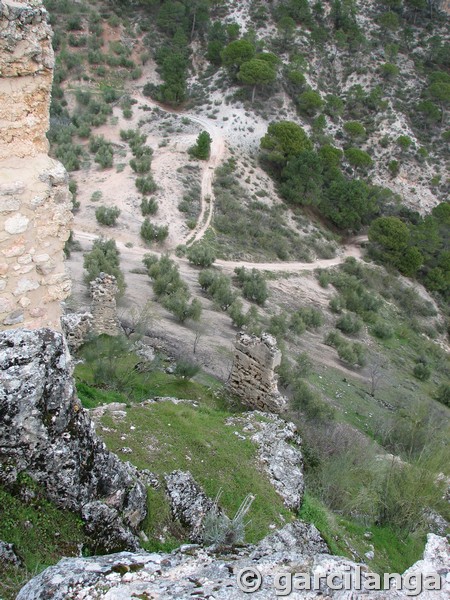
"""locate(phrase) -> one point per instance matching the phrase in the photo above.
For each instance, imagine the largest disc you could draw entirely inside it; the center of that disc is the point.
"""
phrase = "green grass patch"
(168, 437)
(394, 552)
(40, 532)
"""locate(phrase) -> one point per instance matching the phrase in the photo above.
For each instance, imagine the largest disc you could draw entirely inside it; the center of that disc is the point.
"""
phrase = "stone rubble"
(77, 328)
(8, 556)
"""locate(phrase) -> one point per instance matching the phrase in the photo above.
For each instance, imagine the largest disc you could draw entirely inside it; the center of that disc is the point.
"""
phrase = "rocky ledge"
(192, 572)
(47, 434)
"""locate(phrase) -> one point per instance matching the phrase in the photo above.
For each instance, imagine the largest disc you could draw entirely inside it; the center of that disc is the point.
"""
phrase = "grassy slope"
(41, 533)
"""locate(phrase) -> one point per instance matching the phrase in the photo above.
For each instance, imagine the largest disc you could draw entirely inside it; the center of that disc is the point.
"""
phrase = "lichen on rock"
(48, 435)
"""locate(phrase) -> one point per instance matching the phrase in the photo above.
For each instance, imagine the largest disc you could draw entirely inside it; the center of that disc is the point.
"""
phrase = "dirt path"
(352, 249)
(218, 148)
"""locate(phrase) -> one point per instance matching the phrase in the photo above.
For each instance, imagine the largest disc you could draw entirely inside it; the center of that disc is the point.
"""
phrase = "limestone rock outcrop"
(48, 435)
(35, 201)
(8, 556)
(194, 572)
(189, 502)
(279, 452)
(103, 306)
(253, 377)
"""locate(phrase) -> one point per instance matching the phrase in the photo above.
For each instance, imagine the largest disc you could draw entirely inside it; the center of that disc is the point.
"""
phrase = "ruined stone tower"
(35, 202)
(103, 306)
(253, 376)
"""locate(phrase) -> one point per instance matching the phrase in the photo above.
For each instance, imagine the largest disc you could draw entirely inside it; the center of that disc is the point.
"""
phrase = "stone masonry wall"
(103, 306)
(35, 214)
(253, 376)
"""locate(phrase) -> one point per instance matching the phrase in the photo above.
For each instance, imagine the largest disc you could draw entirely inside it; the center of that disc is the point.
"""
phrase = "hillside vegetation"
(268, 166)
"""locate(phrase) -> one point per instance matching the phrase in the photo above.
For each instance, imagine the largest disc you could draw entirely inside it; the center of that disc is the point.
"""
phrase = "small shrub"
(202, 147)
(337, 304)
(178, 305)
(149, 206)
(201, 254)
(278, 326)
(305, 318)
(206, 278)
(153, 233)
(324, 279)
(254, 286)
(297, 324)
(223, 531)
(443, 394)
(186, 369)
(106, 215)
(394, 167)
(334, 339)
(349, 324)
(146, 185)
(140, 165)
(104, 257)
(236, 312)
(422, 372)
(353, 354)
(382, 330)
(305, 399)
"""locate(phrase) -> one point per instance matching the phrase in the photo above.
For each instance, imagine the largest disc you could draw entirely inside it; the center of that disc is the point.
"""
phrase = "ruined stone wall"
(35, 202)
(253, 376)
(103, 306)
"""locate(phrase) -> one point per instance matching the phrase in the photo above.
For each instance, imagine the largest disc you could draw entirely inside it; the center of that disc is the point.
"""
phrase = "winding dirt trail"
(218, 152)
(218, 149)
(352, 249)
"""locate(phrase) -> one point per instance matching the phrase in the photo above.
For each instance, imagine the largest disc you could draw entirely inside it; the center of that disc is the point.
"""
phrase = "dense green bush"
(153, 233)
(351, 353)
(202, 146)
(104, 153)
(358, 158)
(149, 206)
(107, 215)
(170, 289)
(104, 257)
(141, 165)
(178, 304)
(355, 130)
(349, 324)
(422, 372)
(236, 312)
(416, 246)
(218, 287)
(309, 102)
(443, 394)
(186, 369)
(201, 254)
(382, 330)
(254, 286)
(146, 185)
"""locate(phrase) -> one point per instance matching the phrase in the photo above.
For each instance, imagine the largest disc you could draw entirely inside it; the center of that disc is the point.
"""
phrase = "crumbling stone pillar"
(77, 328)
(103, 307)
(35, 214)
(253, 376)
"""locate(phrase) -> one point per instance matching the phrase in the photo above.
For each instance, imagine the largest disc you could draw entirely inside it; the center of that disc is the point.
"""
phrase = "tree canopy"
(256, 72)
(285, 139)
